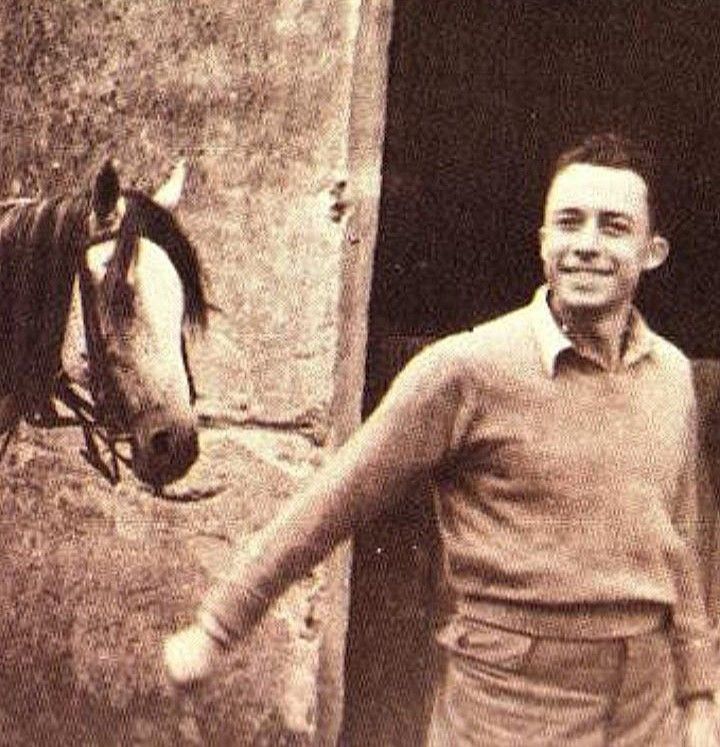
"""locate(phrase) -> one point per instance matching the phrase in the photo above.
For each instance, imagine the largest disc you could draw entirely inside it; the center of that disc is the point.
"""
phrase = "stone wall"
(278, 109)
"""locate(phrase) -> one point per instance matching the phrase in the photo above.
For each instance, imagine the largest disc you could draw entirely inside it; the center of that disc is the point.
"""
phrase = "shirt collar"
(553, 341)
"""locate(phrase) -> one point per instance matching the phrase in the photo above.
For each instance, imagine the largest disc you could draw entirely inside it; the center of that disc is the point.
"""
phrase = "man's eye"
(616, 228)
(568, 222)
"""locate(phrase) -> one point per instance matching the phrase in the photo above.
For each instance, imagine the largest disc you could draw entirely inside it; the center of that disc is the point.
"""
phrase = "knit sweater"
(564, 491)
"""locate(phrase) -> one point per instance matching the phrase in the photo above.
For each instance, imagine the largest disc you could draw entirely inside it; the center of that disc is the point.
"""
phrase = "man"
(561, 441)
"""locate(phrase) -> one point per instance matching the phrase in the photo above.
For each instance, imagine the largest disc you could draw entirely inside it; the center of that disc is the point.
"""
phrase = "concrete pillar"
(279, 111)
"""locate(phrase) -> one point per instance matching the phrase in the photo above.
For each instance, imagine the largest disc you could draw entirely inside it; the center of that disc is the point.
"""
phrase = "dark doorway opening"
(482, 95)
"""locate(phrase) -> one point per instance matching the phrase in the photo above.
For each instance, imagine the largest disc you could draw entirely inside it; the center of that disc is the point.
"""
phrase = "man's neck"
(599, 336)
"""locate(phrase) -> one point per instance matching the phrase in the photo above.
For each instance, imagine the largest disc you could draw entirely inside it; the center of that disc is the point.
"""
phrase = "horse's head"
(141, 288)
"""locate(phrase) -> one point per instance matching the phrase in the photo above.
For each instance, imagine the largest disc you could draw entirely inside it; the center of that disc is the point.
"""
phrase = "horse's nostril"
(163, 454)
(161, 442)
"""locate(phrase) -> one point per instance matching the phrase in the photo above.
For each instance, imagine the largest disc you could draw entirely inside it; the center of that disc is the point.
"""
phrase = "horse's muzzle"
(163, 451)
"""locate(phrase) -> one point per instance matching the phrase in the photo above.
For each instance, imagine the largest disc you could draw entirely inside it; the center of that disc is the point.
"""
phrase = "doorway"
(482, 95)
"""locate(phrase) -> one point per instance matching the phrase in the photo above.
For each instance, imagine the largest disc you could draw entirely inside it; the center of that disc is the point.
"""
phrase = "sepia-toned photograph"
(360, 373)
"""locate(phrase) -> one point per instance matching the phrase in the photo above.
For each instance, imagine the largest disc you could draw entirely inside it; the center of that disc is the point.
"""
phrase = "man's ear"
(542, 234)
(658, 250)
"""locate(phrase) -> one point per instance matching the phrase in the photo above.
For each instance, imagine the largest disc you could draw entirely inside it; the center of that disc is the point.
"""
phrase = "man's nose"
(586, 251)
(588, 241)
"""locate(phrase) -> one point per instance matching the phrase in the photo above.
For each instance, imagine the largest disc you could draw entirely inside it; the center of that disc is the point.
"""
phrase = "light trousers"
(506, 689)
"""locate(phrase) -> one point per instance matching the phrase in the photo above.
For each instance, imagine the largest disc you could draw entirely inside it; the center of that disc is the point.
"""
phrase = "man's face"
(596, 239)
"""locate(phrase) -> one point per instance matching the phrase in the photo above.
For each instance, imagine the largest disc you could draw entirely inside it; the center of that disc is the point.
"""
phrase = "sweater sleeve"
(692, 639)
(410, 432)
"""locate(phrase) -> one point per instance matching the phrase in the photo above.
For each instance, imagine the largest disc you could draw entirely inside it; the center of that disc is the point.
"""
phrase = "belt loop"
(622, 667)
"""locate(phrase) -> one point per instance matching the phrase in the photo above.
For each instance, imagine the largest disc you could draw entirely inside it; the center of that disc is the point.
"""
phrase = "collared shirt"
(553, 339)
(559, 485)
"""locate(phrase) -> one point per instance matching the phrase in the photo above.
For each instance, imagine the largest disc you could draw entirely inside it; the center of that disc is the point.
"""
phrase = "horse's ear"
(106, 190)
(169, 194)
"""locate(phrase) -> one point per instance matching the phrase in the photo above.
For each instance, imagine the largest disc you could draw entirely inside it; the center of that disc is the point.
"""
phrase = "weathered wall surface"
(258, 97)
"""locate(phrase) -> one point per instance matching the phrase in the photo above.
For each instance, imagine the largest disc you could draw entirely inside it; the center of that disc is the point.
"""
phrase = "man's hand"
(191, 655)
(700, 723)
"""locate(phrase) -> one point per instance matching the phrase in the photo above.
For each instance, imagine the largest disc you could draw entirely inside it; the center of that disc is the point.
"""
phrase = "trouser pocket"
(487, 645)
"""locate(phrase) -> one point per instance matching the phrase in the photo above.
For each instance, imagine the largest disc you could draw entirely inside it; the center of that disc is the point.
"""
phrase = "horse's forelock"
(125, 248)
(153, 221)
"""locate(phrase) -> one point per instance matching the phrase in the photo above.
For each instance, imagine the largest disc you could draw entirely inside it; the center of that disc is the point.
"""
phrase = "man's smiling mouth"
(599, 271)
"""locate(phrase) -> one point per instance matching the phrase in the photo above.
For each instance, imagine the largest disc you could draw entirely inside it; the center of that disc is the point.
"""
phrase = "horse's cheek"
(161, 370)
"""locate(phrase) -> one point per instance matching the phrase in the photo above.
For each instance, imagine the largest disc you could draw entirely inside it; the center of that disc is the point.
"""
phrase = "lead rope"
(86, 417)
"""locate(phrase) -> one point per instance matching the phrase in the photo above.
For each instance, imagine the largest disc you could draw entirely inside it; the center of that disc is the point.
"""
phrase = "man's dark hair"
(618, 152)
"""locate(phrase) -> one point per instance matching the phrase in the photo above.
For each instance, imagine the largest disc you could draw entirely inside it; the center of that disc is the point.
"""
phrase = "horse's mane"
(40, 245)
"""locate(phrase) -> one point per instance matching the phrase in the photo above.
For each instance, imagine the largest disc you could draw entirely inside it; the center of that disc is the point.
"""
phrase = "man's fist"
(191, 655)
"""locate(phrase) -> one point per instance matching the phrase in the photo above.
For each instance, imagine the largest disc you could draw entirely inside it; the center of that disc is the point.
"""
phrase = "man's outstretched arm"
(420, 420)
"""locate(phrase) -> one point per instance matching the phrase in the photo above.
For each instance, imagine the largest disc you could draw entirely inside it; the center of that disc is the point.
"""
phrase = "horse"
(141, 290)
